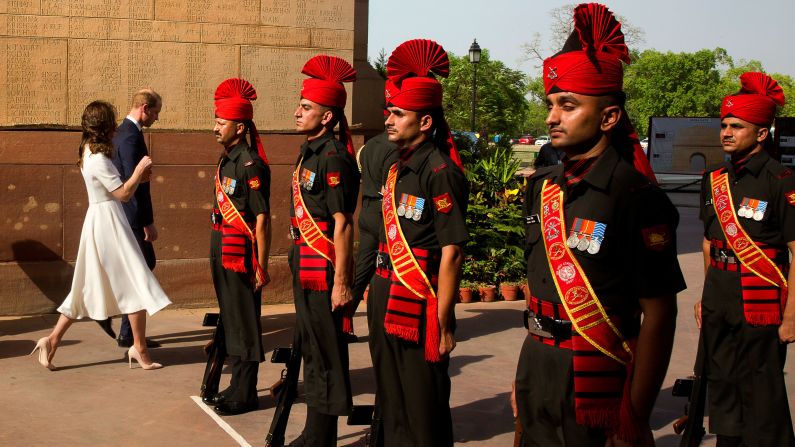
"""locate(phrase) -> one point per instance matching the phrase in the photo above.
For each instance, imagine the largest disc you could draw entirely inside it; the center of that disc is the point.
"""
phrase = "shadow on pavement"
(480, 322)
(493, 415)
(457, 362)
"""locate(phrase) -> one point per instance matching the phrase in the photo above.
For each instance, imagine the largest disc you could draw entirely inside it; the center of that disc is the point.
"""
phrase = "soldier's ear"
(240, 128)
(611, 116)
(426, 123)
(761, 134)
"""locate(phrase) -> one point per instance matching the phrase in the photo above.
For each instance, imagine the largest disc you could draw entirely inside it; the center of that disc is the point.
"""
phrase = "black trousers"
(746, 392)
(125, 331)
(324, 350)
(370, 222)
(243, 385)
(545, 399)
(413, 394)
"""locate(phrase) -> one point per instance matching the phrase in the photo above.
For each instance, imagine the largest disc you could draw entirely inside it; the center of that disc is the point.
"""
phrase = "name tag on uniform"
(708, 202)
(532, 219)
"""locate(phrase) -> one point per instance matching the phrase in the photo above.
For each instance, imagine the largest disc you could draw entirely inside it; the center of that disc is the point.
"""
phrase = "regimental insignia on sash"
(333, 179)
(254, 183)
(586, 235)
(228, 185)
(657, 237)
(791, 197)
(444, 203)
(752, 209)
(307, 179)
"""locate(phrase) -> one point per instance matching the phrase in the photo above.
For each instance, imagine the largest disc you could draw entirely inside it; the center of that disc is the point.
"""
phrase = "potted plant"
(512, 273)
(488, 292)
(466, 292)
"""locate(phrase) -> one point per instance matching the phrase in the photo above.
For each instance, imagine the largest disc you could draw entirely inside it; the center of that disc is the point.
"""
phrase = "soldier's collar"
(754, 164)
(418, 156)
(600, 174)
(235, 152)
(318, 143)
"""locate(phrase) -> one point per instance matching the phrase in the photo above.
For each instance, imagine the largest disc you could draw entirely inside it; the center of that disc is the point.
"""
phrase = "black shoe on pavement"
(107, 327)
(215, 399)
(234, 408)
(127, 342)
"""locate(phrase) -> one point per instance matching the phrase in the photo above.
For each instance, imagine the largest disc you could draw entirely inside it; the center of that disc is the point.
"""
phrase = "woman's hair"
(99, 124)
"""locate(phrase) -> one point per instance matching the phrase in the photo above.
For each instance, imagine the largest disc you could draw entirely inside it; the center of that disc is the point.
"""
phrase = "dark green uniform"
(375, 159)
(240, 305)
(414, 394)
(333, 188)
(629, 264)
(747, 394)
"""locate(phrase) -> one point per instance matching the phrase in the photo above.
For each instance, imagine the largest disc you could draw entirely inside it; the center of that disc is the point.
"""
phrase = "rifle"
(285, 390)
(216, 355)
(691, 425)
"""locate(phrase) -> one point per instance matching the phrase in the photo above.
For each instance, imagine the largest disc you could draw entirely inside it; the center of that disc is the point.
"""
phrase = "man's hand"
(786, 332)
(446, 343)
(340, 296)
(260, 284)
(697, 311)
(513, 400)
(150, 233)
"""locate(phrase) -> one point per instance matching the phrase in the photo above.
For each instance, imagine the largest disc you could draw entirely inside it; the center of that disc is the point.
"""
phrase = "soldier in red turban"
(746, 313)
(411, 300)
(325, 188)
(239, 248)
(601, 252)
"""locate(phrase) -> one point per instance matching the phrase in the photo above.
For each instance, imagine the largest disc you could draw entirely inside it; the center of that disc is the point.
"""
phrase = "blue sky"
(760, 29)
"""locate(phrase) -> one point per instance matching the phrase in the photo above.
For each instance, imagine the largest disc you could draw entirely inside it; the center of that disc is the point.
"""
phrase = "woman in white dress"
(111, 276)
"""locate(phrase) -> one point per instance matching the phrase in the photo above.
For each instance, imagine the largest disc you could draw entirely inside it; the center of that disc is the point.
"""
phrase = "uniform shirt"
(637, 257)
(764, 179)
(335, 179)
(432, 176)
(247, 180)
(375, 159)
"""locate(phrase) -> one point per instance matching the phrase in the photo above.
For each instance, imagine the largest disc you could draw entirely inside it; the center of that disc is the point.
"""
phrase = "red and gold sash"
(591, 323)
(236, 224)
(310, 232)
(747, 251)
(408, 271)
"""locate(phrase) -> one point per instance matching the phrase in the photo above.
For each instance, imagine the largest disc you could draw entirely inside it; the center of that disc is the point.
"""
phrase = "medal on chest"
(586, 235)
(228, 185)
(307, 179)
(752, 209)
(411, 207)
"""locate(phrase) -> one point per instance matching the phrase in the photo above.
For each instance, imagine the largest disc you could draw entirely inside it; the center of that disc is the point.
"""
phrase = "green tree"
(501, 104)
(379, 64)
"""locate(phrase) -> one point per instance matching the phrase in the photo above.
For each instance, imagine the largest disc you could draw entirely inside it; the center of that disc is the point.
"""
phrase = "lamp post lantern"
(474, 58)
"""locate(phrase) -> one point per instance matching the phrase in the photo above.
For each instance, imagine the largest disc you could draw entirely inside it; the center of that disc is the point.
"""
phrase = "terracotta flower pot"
(525, 291)
(488, 294)
(509, 292)
(465, 295)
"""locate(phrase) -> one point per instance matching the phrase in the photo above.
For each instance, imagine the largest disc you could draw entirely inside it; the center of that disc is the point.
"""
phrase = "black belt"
(723, 255)
(547, 327)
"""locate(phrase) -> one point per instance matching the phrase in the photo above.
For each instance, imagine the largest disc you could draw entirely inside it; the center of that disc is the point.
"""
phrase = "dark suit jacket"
(130, 149)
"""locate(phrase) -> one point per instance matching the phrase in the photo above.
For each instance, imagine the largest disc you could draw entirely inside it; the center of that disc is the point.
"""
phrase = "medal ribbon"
(408, 271)
(750, 255)
(232, 217)
(310, 232)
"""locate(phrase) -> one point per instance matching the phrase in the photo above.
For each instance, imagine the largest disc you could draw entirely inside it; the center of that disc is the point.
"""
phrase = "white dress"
(111, 276)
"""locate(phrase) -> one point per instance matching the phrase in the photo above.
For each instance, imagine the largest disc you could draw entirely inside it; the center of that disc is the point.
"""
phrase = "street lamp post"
(474, 58)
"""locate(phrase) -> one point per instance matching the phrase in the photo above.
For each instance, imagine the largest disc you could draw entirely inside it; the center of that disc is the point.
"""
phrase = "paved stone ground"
(95, 399)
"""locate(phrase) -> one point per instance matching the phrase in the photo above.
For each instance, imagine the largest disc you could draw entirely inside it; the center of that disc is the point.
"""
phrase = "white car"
(542, 140)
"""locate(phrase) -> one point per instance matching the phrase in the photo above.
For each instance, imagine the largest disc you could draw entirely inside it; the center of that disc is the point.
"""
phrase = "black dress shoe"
(126, 342)
(107, 327)
(233, 408)
(215, 399)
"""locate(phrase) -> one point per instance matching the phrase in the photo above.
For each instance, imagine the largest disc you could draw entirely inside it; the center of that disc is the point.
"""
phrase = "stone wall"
(57, 56)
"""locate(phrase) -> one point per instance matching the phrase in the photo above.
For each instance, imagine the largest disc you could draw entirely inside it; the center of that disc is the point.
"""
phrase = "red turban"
(325, 88)
(594, 67)
(233, 102)
(410, 71)
(756, 101)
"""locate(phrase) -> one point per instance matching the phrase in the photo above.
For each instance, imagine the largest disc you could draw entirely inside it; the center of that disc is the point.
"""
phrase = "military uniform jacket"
(329, 178)
(637, 255)
(246, 179)
(375, 159)
(433, 177)
(762, 179)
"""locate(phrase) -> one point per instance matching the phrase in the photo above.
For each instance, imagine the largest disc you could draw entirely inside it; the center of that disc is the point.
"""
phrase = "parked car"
(523, 139)
(542, 140)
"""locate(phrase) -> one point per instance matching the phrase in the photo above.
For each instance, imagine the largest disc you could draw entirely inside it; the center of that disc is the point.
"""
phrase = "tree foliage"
(501, 103)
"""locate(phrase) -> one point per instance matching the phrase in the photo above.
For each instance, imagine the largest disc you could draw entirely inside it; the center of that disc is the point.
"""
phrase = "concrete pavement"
(93, 398)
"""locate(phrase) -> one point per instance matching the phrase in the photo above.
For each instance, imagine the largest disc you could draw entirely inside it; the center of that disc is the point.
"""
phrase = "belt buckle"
(294, 233)
(382, 260)
(536, 328)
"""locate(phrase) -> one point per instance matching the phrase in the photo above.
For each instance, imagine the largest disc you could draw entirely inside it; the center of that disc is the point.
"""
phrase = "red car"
(524, 139)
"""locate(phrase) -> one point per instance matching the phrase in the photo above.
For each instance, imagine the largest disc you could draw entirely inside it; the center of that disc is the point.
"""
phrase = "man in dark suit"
(130, 149)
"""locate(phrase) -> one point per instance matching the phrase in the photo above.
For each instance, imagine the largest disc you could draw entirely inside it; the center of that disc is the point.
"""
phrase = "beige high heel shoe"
(133, 354)
(44, 348)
